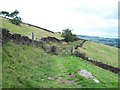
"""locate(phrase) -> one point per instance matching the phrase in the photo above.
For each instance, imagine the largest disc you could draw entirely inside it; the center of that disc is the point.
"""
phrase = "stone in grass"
(50, 78)
(97, 81)
(87, 74)
(54, 50)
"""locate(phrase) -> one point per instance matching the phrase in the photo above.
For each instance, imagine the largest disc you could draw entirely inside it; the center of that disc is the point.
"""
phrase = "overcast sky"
(84, 17)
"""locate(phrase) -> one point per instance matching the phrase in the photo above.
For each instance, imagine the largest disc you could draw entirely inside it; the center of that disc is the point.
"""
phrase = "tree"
(69, 36)
(14, 14)
(16, 20)
(4, 13)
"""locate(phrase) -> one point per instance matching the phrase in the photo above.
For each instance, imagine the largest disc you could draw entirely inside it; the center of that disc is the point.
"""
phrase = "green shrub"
(16, 21)
(69, 36)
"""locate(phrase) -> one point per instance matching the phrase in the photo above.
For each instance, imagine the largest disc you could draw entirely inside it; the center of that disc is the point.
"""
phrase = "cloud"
(89, 17)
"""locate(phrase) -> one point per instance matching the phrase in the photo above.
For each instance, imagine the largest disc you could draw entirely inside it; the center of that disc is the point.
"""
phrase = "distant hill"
(106, 41)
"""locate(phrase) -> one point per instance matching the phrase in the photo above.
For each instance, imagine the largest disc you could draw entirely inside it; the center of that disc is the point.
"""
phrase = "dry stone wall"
(16, 38)
(6, 36)
(100, 64)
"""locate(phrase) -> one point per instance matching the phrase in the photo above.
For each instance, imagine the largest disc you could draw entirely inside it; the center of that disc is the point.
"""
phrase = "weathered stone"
(53, 50)
(5, 35)
(97, 81)
(87, 74)
(79, 54)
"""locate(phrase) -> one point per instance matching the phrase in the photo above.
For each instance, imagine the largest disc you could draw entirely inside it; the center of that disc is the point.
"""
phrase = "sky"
(83, 17)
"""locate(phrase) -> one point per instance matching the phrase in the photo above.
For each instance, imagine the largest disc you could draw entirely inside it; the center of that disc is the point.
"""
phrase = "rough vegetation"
(30, 67)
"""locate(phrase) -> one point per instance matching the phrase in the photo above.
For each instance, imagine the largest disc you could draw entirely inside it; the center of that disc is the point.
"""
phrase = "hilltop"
(31, 66)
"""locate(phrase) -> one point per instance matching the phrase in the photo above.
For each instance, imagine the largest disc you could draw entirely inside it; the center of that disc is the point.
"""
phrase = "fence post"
(72, 50)
(33, 37)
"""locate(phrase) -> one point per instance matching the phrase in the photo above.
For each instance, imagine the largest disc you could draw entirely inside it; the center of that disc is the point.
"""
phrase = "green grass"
(101, 53)
(30, 67)
(26, 30)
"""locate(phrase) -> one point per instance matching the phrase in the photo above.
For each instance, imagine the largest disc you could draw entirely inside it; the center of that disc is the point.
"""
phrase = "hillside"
(30, 66)
(101, 53)
(26, 30)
